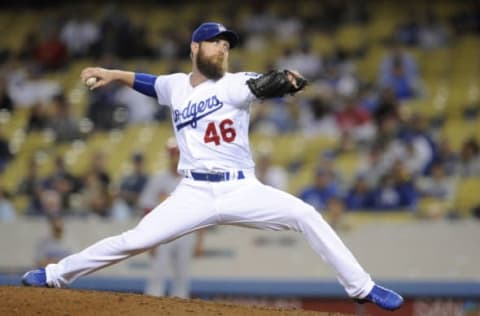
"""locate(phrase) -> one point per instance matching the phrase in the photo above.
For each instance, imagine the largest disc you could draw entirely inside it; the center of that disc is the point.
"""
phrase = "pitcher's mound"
(26, 301)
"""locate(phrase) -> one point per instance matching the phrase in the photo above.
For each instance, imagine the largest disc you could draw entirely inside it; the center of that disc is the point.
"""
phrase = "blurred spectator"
(413, 148)
(335, 213)
(50, 53)
(359, 197)
(51, 203)
(6, 153)
(98, 167)
(7, 211)
(385, 196)
(432, 33)
(367, 98)
(438, 185)
(268, 173)
(27, 87)
(288, 24)
(415, 151)
(345, 145)
(275, 116)
(141, 108)
(38, 119)
(445, 156)
(31, 186)
(469, 163)
(116, 32)
(415, 130)
(373, 164)
(388, 130)
(355, 121)
(302, 60)
(417, 154)
(63, 182)
(96, 197)
(259, 20)
(387, 106)
(133, 184)
(399, 71)
(340, 79)
(323, 188)
(80, 33)
(407, 33)
(95, 192)
(103, 107)
(341, 58)
(259, 119)
(284, 115)
(62, 122)
(395, 190)
(161, 184)
(53, 247)
(316, 118)
(166, 45)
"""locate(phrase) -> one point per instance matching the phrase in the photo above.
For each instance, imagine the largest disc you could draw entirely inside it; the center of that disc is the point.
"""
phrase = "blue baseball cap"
(209, 30)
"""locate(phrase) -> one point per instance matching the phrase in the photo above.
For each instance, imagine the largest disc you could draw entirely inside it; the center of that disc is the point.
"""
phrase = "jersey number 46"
(227, 132)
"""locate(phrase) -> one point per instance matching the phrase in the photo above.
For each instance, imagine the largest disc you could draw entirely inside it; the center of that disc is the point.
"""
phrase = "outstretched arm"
(143, 83)
(105, 76)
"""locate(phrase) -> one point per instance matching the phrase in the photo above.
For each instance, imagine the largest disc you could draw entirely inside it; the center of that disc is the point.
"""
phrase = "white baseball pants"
(199, 204)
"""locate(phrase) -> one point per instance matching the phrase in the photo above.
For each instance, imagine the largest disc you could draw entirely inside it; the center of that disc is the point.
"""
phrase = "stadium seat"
(467, 196)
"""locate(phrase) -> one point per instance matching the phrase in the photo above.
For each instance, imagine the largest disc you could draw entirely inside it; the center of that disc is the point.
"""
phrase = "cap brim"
(231, 37)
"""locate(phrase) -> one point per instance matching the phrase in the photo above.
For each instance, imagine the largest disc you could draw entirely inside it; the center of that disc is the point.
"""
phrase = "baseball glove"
(275, 84)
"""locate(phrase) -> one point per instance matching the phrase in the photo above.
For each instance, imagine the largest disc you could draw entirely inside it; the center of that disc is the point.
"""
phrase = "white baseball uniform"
(176, 254)
(219, 187)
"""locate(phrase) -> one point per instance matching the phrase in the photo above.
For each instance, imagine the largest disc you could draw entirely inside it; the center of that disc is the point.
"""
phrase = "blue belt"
(217, 176)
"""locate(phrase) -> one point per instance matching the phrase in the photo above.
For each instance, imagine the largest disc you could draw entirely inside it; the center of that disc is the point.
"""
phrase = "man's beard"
(212, 68)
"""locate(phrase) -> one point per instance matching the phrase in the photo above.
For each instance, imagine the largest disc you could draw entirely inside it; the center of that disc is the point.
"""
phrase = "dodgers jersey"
(210, 120)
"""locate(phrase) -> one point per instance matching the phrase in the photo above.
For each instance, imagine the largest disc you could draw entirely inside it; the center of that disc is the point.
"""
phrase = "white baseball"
(91, 81)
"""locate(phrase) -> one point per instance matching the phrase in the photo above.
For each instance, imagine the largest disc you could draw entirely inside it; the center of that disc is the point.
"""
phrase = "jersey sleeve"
(163, 88)
(238, 91)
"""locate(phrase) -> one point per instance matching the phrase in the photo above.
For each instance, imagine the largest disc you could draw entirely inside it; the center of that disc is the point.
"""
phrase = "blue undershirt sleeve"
(145, 83)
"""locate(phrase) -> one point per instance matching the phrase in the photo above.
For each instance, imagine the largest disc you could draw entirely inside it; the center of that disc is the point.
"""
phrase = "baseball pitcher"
(210, 112)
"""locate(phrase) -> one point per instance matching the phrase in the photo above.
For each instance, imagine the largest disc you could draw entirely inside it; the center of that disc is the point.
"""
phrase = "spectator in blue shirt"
(396, 190)
(322, 189)
(399, 71)
(133, 184)
(359, 197)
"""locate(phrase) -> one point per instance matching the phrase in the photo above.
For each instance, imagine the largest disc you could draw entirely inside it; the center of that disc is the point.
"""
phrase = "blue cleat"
(382, 297)
(36, 277)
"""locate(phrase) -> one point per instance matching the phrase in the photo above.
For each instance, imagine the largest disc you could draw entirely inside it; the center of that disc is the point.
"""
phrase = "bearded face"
(211, 66)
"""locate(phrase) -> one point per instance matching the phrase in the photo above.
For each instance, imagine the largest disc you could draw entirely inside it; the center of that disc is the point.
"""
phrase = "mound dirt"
(26, 301)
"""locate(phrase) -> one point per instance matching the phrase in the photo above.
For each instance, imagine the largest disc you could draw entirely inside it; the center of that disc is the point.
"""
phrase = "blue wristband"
(145, 83)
